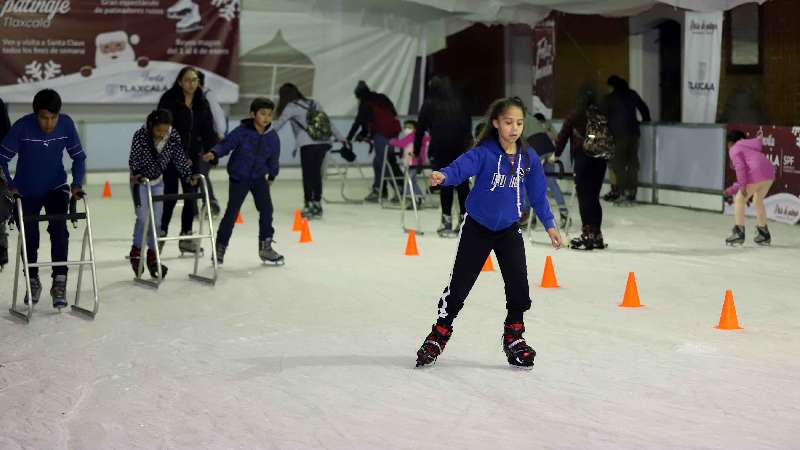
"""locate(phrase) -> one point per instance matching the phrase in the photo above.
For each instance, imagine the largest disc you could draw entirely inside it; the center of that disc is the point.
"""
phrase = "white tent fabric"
(378, 40)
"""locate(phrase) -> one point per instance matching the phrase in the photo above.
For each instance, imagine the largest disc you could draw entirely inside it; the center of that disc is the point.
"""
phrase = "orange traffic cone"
(411, 245)
(305, 232)
(549, 274)
(297, 225)
(107, 190)
(239, 218)
(631, 298)
(488, 266)
(728, 319)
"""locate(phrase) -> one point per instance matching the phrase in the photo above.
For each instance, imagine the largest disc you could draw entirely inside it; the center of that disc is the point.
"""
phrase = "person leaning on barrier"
(155, 146)
(40, 140)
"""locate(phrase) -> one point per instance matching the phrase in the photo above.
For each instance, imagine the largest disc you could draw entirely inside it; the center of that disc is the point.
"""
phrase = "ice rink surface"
(319, 353)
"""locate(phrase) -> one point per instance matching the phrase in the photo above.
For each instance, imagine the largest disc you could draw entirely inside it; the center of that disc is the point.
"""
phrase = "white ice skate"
(179, 9)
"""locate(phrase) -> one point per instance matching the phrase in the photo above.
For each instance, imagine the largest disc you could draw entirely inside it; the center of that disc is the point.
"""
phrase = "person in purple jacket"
(255, 150)
(503, 166)
(754, 176)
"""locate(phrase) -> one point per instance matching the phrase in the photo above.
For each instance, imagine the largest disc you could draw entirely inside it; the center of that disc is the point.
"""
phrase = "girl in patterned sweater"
(155, 146)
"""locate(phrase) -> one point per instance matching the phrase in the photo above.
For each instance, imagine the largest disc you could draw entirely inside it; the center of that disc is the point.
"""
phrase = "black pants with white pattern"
(474, 245)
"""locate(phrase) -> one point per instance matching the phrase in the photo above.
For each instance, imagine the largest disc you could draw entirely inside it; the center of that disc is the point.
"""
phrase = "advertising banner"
(702, 51)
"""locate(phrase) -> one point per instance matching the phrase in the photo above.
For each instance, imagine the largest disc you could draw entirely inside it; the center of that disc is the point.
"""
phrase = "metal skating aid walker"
(22, 258)
(149, 226)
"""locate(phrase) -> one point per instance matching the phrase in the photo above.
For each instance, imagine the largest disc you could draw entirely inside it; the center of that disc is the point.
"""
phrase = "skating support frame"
(149, 227)
(22, 264)
(332, 169)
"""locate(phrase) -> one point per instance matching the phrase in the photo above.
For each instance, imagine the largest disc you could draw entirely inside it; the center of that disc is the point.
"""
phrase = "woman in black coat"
(192, 119)
(442, 115)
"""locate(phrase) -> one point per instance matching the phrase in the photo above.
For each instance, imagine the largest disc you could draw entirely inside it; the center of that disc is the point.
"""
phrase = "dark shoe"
(446, 228)
(564, 217)
(152, 265)
(737, 236)
(585, 241)
(59, 291)
(372, 197)
(189, 245)
(434, 344)
(268, 254)
(316, 210)
(135, 257)
(220, 250)
(517, 351)
(763, 237)
(36, 291)
(612, 195)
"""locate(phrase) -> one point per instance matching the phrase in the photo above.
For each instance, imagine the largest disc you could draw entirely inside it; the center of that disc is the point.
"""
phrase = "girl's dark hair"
(496, 109)
(443, 99)
(287, 94)
(734, 136)
(198, 100)
(182, 72)
(410, 122)
(586, 97)
(158, 117)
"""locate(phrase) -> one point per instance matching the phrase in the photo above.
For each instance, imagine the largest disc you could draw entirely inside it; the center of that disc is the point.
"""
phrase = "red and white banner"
(116, 51)
(544, 55)
(782, 147)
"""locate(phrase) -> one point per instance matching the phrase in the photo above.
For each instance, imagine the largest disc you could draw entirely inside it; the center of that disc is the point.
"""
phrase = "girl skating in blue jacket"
(503, 166)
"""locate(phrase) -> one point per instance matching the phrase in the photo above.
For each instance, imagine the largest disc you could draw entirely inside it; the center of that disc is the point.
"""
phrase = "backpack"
(599, 142)
(318, 124)
(383, 119)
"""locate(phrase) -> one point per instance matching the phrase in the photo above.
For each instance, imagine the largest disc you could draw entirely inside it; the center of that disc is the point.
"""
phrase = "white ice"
(320, 353)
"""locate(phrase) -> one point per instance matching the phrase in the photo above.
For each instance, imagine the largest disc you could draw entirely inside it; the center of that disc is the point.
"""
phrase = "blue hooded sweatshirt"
(496, 199)
(254, 155)
(40, 167)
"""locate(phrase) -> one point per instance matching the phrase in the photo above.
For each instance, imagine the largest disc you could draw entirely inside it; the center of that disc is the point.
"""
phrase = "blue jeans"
(143, 214)
(412, 173)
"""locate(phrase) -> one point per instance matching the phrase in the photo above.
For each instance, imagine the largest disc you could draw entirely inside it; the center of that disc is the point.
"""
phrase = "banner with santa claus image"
(116, 51)
(782, 147)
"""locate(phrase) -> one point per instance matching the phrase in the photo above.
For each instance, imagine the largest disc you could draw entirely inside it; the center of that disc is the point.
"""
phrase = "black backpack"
(599, 142)
(318, 124)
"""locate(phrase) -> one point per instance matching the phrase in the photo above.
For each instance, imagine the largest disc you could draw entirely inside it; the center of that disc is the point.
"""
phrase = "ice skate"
(518, 352)
(36, 290)
(267, 254)
(433, 346)
(564, 219)
(316, 210)
(179, 9)
(3, 247)
(190, 21)
(190, 246)
(446, 228)
(220, 250)
(135, 257)
(763, 237)
(59, 291)
(152, 265)
(736, 237)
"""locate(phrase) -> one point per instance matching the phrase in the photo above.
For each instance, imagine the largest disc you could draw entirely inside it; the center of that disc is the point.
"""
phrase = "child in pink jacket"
(754, 176)
(414, 162)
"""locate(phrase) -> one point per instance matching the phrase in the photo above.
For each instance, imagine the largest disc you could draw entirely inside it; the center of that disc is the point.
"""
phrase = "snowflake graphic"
(36, 71)
(227, 8)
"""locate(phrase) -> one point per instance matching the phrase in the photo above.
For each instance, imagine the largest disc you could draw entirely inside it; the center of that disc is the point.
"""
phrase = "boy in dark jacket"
(253, 167)
(40, 140)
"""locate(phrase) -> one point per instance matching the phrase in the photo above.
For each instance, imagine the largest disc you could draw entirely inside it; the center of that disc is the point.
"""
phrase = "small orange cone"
(549, 274)
(107, 190)
(239, 218)
(488, 266)
(631, 298)
(297, 225)
(728, 319)
(411, 245)
(305, 233)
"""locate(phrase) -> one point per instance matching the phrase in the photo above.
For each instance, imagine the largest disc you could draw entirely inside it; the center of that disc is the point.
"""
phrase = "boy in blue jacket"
(253, 167)
(40, 140)
(503, 165)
